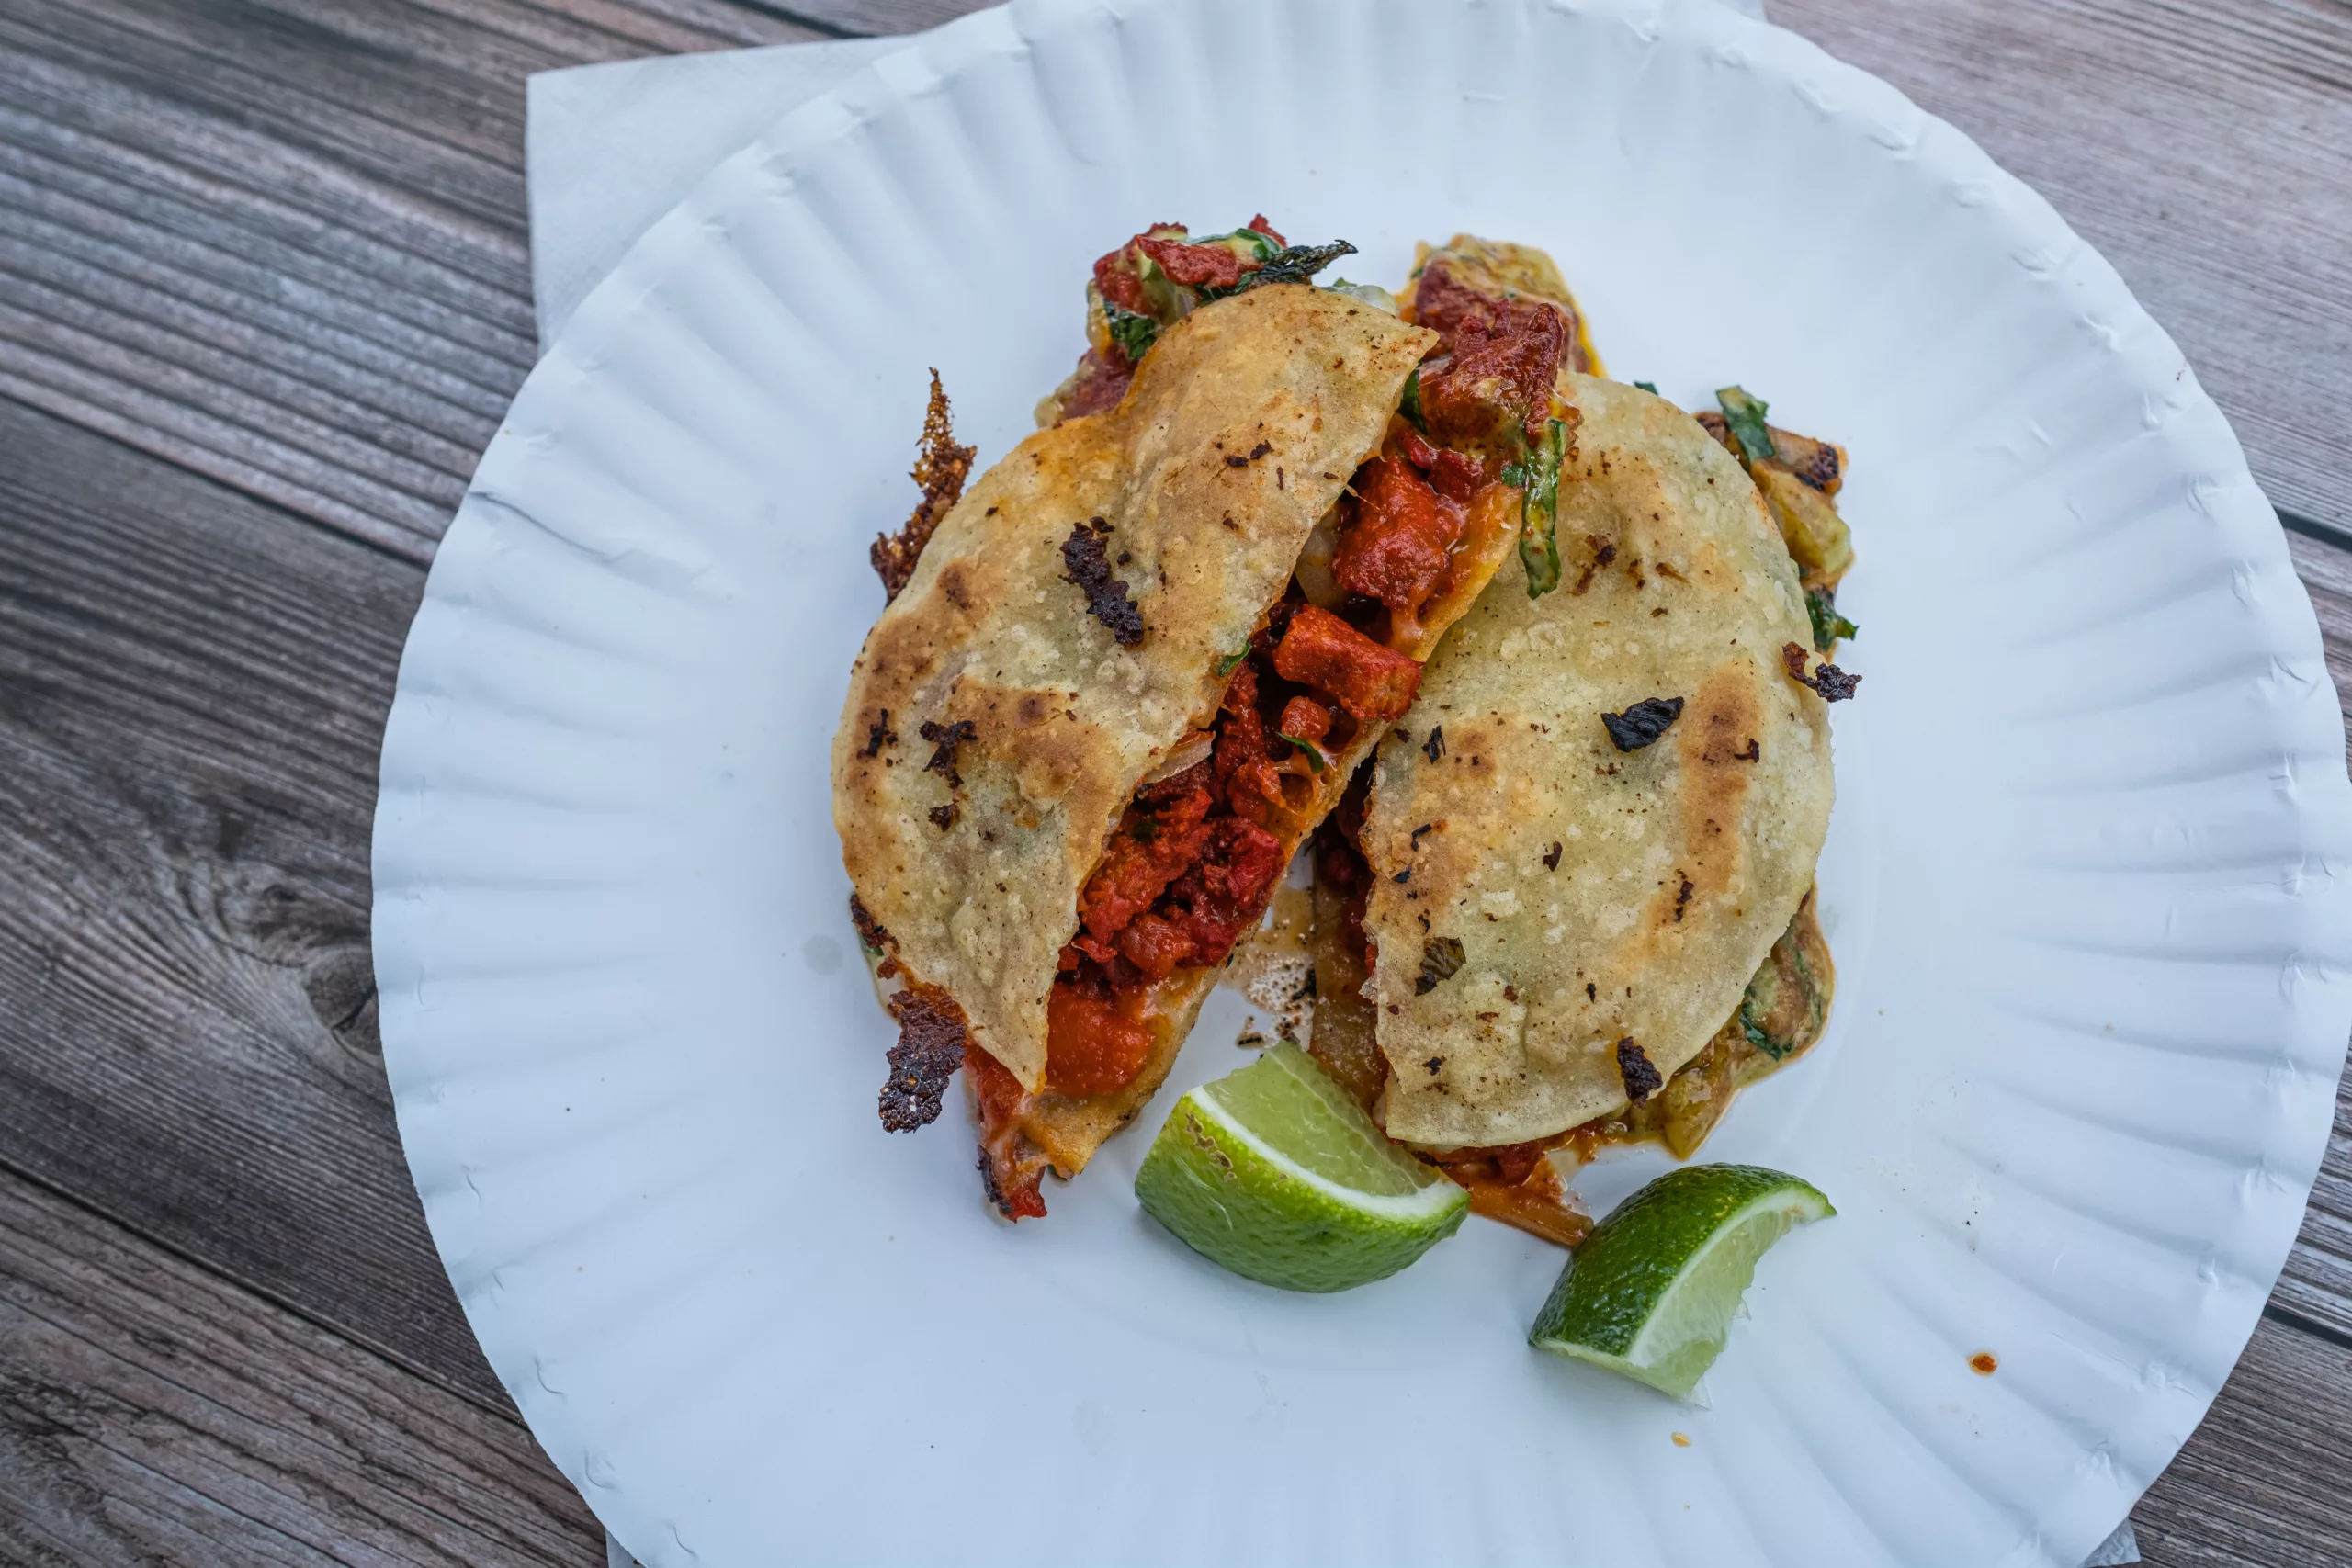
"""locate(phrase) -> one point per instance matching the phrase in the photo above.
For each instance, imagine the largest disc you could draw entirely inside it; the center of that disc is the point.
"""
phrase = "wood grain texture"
(192, 691)
(868, 18)
(280, 244)
(190, 687)
(2317, 1286)
(2204, 146)
(284, 245)
(151, 1413)
(2260, 1484)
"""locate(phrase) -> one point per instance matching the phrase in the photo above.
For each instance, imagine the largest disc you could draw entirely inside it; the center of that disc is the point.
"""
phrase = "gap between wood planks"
(495, 1404)
(146, 1407)
(149, 1412)
(244, 595)
(192, 692)
(280, 244)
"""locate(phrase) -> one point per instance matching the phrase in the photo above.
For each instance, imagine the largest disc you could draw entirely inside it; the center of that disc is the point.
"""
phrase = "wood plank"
(171, 164)
(283, 244)
(190, 687)
(192, 692)
(151, 1411)
(2317, 1285)
(2200, 145)
(2261, 1484)
(865, 18)
(277, 277)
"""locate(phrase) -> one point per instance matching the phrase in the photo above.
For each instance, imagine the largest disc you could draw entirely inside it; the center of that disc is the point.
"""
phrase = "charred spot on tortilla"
(879, 734)
(872, 934)
(944, 817)
(1187, 819)
(1012, 1190)
(1682, 896)
(1403, 876)
(1551, 856)
(929, 1049)
(1256, 452)
(1424, 828)
(1442, 959)
(1434, 1064)
(1435, 747)
(1603, 552)
(1642, 1077)
(1107, 599)
(944, 739)
(1643, 723)
(1834, 684)
(940, 470)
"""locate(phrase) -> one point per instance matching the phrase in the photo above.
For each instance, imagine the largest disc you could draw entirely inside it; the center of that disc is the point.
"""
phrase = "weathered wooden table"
(262, 298)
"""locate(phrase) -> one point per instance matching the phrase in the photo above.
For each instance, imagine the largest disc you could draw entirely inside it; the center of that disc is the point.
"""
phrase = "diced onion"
(1191, 751)
(1372, 294)
(1314, 569)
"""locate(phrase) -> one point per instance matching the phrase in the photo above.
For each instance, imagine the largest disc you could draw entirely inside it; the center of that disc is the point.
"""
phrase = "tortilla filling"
(1201, 844)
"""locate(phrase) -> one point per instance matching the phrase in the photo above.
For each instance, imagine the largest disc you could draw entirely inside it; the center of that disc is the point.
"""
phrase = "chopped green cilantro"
(1134, 333)
(1410, 405)
(1828, 625)
(1539, 545)
(1316, 760)
(1745, 414)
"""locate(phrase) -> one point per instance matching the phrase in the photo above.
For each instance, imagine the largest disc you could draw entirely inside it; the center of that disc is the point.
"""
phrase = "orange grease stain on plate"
(1985, 1364)
(1682, 1439)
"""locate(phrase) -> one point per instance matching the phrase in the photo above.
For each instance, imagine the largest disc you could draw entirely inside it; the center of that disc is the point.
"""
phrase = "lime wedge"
(1274, 1172)
(1651, 1292)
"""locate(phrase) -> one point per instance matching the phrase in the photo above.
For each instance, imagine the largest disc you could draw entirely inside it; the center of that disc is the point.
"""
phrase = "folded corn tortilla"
(995, 727)
(1554, 916)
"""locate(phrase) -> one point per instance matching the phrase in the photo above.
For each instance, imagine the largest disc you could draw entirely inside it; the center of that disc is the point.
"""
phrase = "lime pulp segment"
(1651, 1294)
(1275, 1173)
(1289, 1104)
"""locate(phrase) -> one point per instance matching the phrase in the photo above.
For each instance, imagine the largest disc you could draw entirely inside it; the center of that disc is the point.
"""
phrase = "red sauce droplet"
(1985, 1364)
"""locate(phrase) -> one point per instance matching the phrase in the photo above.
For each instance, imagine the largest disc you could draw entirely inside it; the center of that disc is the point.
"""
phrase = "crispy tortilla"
(1069, 1131)
(1578, 919)
(996, 726)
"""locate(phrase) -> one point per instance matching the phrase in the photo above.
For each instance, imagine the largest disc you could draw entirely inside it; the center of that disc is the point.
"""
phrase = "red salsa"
(1197, 855)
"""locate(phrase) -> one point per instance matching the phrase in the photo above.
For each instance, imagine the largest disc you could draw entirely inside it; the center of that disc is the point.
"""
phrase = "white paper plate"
(2082, 883)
